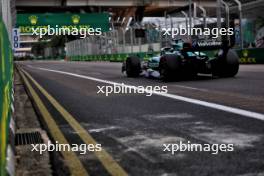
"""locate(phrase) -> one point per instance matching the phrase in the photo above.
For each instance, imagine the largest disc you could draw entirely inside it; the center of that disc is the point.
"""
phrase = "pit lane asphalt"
(133, 127)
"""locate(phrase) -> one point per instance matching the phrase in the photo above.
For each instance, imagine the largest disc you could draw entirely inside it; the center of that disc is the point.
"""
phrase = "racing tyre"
(228, 66)
(133, 66)
(170, 66)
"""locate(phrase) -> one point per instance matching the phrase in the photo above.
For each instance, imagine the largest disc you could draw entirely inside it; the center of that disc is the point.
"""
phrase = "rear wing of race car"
(206, 46)
(210, 48)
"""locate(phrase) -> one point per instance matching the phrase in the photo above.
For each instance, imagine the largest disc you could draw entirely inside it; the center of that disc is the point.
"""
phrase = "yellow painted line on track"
(106, 159)
(75, 166)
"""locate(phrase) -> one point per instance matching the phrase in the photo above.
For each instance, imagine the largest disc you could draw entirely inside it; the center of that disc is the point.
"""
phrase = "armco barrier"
(247, 56)
(6, 85)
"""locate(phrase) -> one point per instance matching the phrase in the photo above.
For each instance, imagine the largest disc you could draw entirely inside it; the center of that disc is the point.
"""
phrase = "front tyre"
(133, 66)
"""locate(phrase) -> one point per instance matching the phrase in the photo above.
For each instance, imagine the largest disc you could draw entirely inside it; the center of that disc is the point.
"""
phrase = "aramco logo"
(75, 19)
(33, 19)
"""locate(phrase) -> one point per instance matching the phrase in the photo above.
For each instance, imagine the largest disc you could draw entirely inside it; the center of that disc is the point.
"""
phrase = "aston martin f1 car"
(184, 60)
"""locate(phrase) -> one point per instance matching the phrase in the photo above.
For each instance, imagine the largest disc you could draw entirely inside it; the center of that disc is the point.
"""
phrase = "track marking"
(188, 87)
(75, 165)
(108, 162)
(98, 130)
(238, 111)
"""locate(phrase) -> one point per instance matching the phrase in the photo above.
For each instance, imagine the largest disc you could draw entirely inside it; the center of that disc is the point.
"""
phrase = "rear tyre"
(226, 66)
(133, 66)
(170, 66)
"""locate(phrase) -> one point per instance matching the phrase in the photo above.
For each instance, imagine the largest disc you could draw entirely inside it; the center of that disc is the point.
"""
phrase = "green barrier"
(105, 57)
(6, 77)
(251, 56)
(247, 56)
(87, 58)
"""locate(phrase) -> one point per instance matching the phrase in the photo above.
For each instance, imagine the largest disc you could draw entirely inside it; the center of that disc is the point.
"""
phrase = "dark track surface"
(133, 127)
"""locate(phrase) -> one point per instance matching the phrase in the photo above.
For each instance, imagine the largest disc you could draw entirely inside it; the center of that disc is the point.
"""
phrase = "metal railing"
(114, 42)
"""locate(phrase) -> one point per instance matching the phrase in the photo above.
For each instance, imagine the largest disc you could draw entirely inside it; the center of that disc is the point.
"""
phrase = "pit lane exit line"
(220, 107)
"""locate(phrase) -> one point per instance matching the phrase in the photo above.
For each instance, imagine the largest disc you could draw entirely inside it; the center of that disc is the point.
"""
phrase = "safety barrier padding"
(6, 98)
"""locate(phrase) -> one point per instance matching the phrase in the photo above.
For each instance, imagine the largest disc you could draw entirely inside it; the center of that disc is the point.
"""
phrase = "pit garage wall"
(6, 103)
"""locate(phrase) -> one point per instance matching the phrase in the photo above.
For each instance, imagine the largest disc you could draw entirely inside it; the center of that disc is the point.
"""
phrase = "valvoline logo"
(210, 43)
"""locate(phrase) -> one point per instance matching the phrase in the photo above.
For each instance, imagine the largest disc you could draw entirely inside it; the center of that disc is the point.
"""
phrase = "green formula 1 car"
(183, 60)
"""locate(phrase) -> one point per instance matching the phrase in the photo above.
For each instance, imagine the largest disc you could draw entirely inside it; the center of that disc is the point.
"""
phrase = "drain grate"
(28, 138)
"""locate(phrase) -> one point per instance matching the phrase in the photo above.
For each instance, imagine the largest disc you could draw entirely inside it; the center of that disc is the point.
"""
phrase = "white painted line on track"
(188, 87)
(238, 111)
